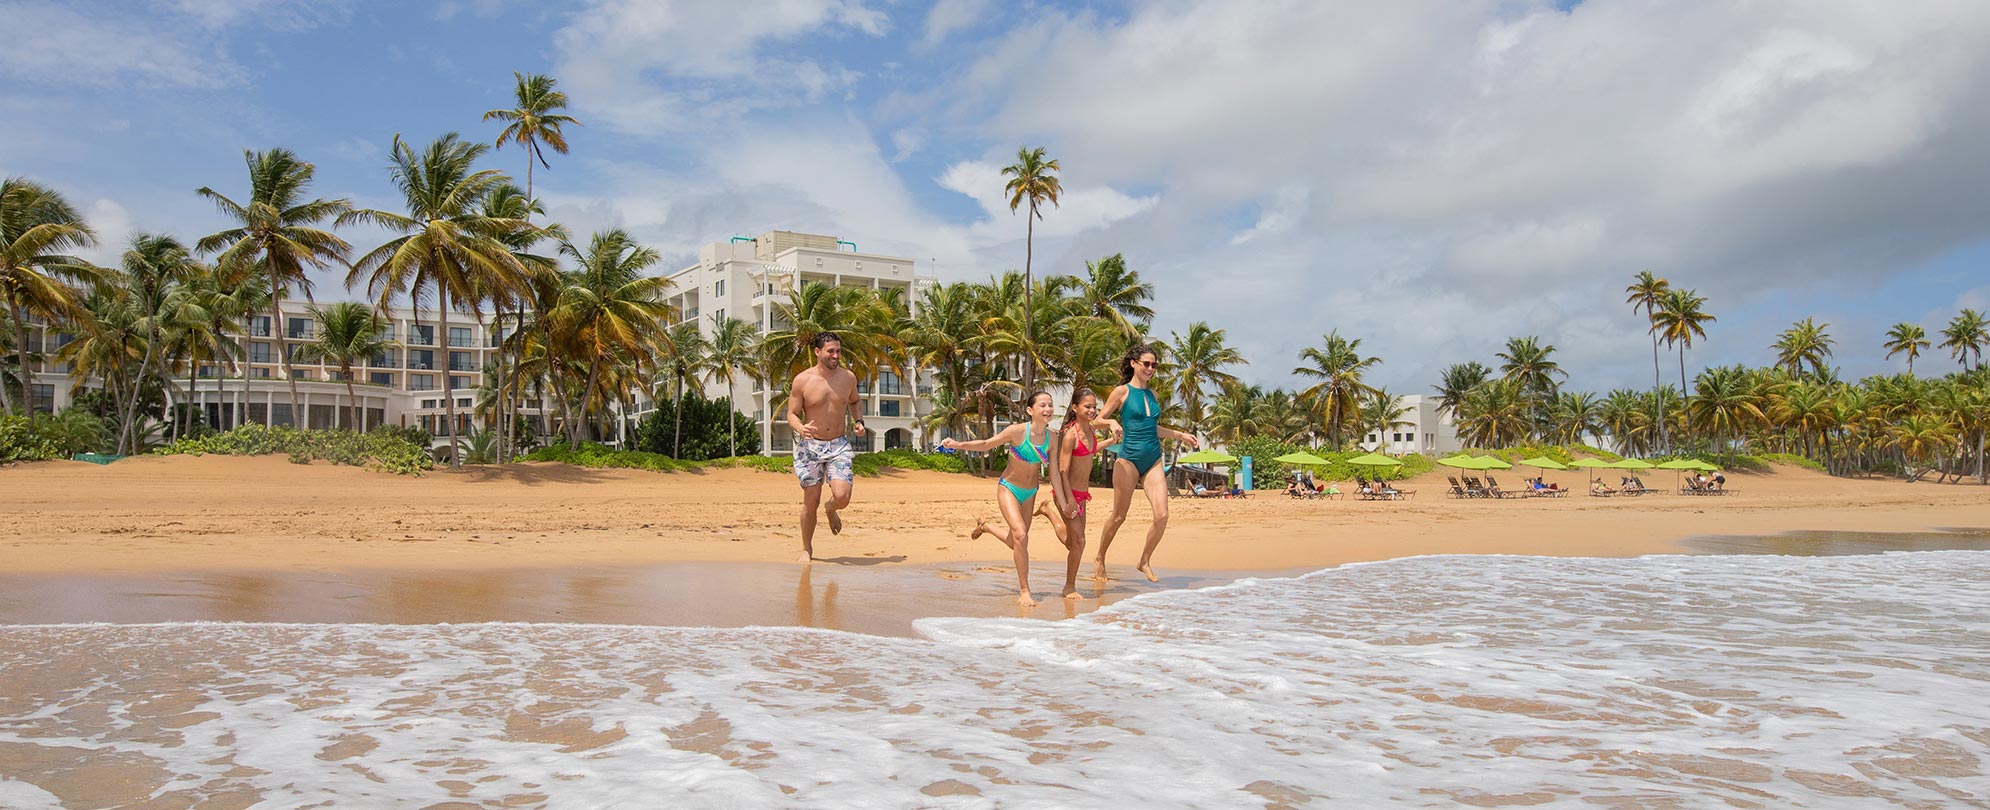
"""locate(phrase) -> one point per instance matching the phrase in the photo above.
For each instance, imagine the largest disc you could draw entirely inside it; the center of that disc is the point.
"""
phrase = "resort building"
(401, 386)
(747, 277)
(1423, 428)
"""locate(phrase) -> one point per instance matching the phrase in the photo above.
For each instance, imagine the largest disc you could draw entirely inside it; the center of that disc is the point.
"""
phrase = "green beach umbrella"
(1462, 462)
(1590, 463)
(1543, 462)
(1374, 460)
(1704, 466)
(1680, 464)
(1493, 463)
(1302, 457)
(1206, 457)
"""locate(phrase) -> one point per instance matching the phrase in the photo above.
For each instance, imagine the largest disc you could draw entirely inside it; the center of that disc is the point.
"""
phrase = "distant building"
(1424, 429)
(745, 277)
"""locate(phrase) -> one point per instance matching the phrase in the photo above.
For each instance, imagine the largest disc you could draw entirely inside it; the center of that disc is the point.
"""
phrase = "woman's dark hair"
(1077, 395)
(1138, 351)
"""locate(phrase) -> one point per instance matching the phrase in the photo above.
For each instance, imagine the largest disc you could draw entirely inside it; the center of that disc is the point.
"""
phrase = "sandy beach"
(153, 514)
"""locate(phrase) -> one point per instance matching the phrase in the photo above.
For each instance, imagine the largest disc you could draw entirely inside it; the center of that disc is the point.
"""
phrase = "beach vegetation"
(385, 450)
(694, 428)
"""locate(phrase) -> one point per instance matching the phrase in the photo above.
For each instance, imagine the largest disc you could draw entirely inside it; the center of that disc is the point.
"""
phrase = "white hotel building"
(1424, 428)
(745, 277)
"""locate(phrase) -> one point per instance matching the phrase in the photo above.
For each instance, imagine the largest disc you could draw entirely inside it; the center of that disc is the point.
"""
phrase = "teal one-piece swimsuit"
(1142, 443)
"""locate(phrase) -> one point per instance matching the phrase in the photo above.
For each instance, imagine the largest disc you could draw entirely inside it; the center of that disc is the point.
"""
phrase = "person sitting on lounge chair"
(1597, 487)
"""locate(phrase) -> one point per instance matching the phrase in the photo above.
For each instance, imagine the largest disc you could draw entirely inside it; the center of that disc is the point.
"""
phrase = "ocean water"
(1677, 681)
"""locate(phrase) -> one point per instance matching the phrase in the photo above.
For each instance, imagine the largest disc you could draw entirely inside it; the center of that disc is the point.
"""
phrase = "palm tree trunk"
(1656, 398)
(677, 432)
(579, 423)
(278, 333)
(732, 424)
(1029, 298)
(448, 379)
(352, 401)
(21, 356)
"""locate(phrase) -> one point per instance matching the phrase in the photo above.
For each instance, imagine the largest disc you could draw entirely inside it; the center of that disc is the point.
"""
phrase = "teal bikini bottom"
(1023, 495)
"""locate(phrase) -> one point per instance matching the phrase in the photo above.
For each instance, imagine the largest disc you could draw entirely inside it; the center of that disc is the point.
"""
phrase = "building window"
(719, 288)
(381, 360)
(421, 382)
(461, 361)
(43, 398)
(299, 328)
(459, 336)
(422, 359)
(463, 402)
(259, 353)
(888, 408)
(458, 383)
(300, 374)
(719, 315)
(421, 335)
(888, 383)
(259, 326)
(263, 373)
(429, 404)
(381, 378)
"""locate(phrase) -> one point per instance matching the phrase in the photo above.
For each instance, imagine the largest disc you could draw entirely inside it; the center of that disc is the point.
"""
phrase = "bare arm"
(795, 422)
(1113, 401)
(1067, 440)
(1168, 433)
(1005, 436)
(856, 408)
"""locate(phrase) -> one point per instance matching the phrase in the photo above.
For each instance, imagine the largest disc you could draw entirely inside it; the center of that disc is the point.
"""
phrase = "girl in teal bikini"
(1139, 455)
(1029, 451)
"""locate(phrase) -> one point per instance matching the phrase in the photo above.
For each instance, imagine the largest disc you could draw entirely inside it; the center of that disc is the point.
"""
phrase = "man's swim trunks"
(819, 460)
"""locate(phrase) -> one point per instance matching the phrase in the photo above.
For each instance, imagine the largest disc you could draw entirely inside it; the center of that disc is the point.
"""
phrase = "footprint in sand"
(953, 575)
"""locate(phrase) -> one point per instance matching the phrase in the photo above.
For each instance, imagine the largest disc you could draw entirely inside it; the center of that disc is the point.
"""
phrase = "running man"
(818, 400)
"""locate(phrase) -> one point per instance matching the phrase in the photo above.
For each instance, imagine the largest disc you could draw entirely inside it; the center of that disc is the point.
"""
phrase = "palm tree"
(941, 337)
(1626, 417)
(1200, 359)
(731, 350)
(1032, 179)
(1527, 362)
(1908, 339)
(152, 267)
(1116, 294)
(447, 244)
(1645, 294)
(533, 124)
(1456, 380)
(1380, 411)
(1725, 403)
(1577, 414)
(1678, 321)
(1494, 414)
(1338, 365)
(607, 305)
(1966, 335)
(1804, 344)
(690, 361)
(275, 234)
(348, 333)
(37, 227)
(854, 313)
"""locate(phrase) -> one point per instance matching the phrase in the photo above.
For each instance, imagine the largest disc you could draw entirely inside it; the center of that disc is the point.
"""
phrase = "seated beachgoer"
(1598, 488)
(1720, 482)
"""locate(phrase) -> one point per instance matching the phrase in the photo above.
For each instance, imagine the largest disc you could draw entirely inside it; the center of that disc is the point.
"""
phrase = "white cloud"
(113, 226)
(948, 16)
(282, 15)
(55, 44)
(1280, 214)
(1078, 209)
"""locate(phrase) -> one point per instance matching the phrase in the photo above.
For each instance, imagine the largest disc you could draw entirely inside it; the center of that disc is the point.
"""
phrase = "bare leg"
(811, 500)
(839, 497)
(1017, 538)
(1157, 496)
(1074, 547)
(1123, 478)
(1047, 508)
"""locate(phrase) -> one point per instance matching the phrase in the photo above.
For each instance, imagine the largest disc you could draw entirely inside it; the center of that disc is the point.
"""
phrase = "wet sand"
(261, 539)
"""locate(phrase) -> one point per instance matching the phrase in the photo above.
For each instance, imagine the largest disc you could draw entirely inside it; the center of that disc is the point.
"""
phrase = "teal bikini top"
(1037, 452)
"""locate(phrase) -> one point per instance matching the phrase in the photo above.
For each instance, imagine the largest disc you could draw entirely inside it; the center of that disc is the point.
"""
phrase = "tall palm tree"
(348, 333)
(1908, 339)
(1112, 292)
(608, 305)
(854, 313)
(152, 267)
(1530, 364)
(1804, 345)
(276, 234)
(37, 229)
(1381, 411)
(447, 245)
(1679, 320)
(1201, 358)
(1625, 416)
(507, 201)
(1807, 409)
(1724, 403)
(1032, 179)
(732, 348)
(1494, 414)
(1338, 366)
(1646, 292)
(690, 361)
(1577, 414)
(535, 125)
(1966, 335)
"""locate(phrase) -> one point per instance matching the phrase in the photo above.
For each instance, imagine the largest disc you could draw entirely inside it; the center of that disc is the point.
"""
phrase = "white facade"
(745, 277)
(401, 386)
(1424, 429)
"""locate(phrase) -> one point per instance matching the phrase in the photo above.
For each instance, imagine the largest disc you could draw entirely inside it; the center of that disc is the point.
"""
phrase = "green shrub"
(72, 431)
(701, 435)
(19, 442)
(381, 449)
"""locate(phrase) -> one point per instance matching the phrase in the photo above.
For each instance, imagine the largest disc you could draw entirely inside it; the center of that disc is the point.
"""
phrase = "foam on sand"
(1485, 680)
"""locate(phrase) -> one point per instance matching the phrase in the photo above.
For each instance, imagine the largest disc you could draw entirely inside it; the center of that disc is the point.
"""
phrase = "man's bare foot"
(1099, 570)
(1072, 593)
(835, 523)
(806, 557)
(1148, 569)
(1026, 599)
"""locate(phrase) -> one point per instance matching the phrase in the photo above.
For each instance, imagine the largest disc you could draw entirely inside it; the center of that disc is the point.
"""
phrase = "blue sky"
(1431, 176)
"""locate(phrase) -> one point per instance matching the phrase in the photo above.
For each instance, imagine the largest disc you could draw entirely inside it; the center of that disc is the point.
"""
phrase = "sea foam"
(1687, 681)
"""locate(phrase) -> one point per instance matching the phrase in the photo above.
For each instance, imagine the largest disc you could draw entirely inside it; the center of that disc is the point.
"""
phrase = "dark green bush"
(381, 449)
(19, 442)
(702, 434)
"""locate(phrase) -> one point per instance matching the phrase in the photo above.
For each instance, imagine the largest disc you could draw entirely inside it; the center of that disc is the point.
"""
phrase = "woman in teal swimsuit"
(1139, 455)
(1029, 444)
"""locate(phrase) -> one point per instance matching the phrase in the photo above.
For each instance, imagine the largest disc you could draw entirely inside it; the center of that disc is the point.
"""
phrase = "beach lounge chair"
(1394, 492)
(1201, 491)
(1456, 490)
(1492, 486)
(1600, 490)
(1631, 486)
(1542, 490)
(1642, 487)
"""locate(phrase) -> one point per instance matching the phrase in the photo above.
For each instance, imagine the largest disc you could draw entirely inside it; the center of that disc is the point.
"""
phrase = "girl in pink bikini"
(1077, 442)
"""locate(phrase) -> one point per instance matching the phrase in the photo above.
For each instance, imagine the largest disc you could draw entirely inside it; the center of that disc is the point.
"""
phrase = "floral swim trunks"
(819, 460)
